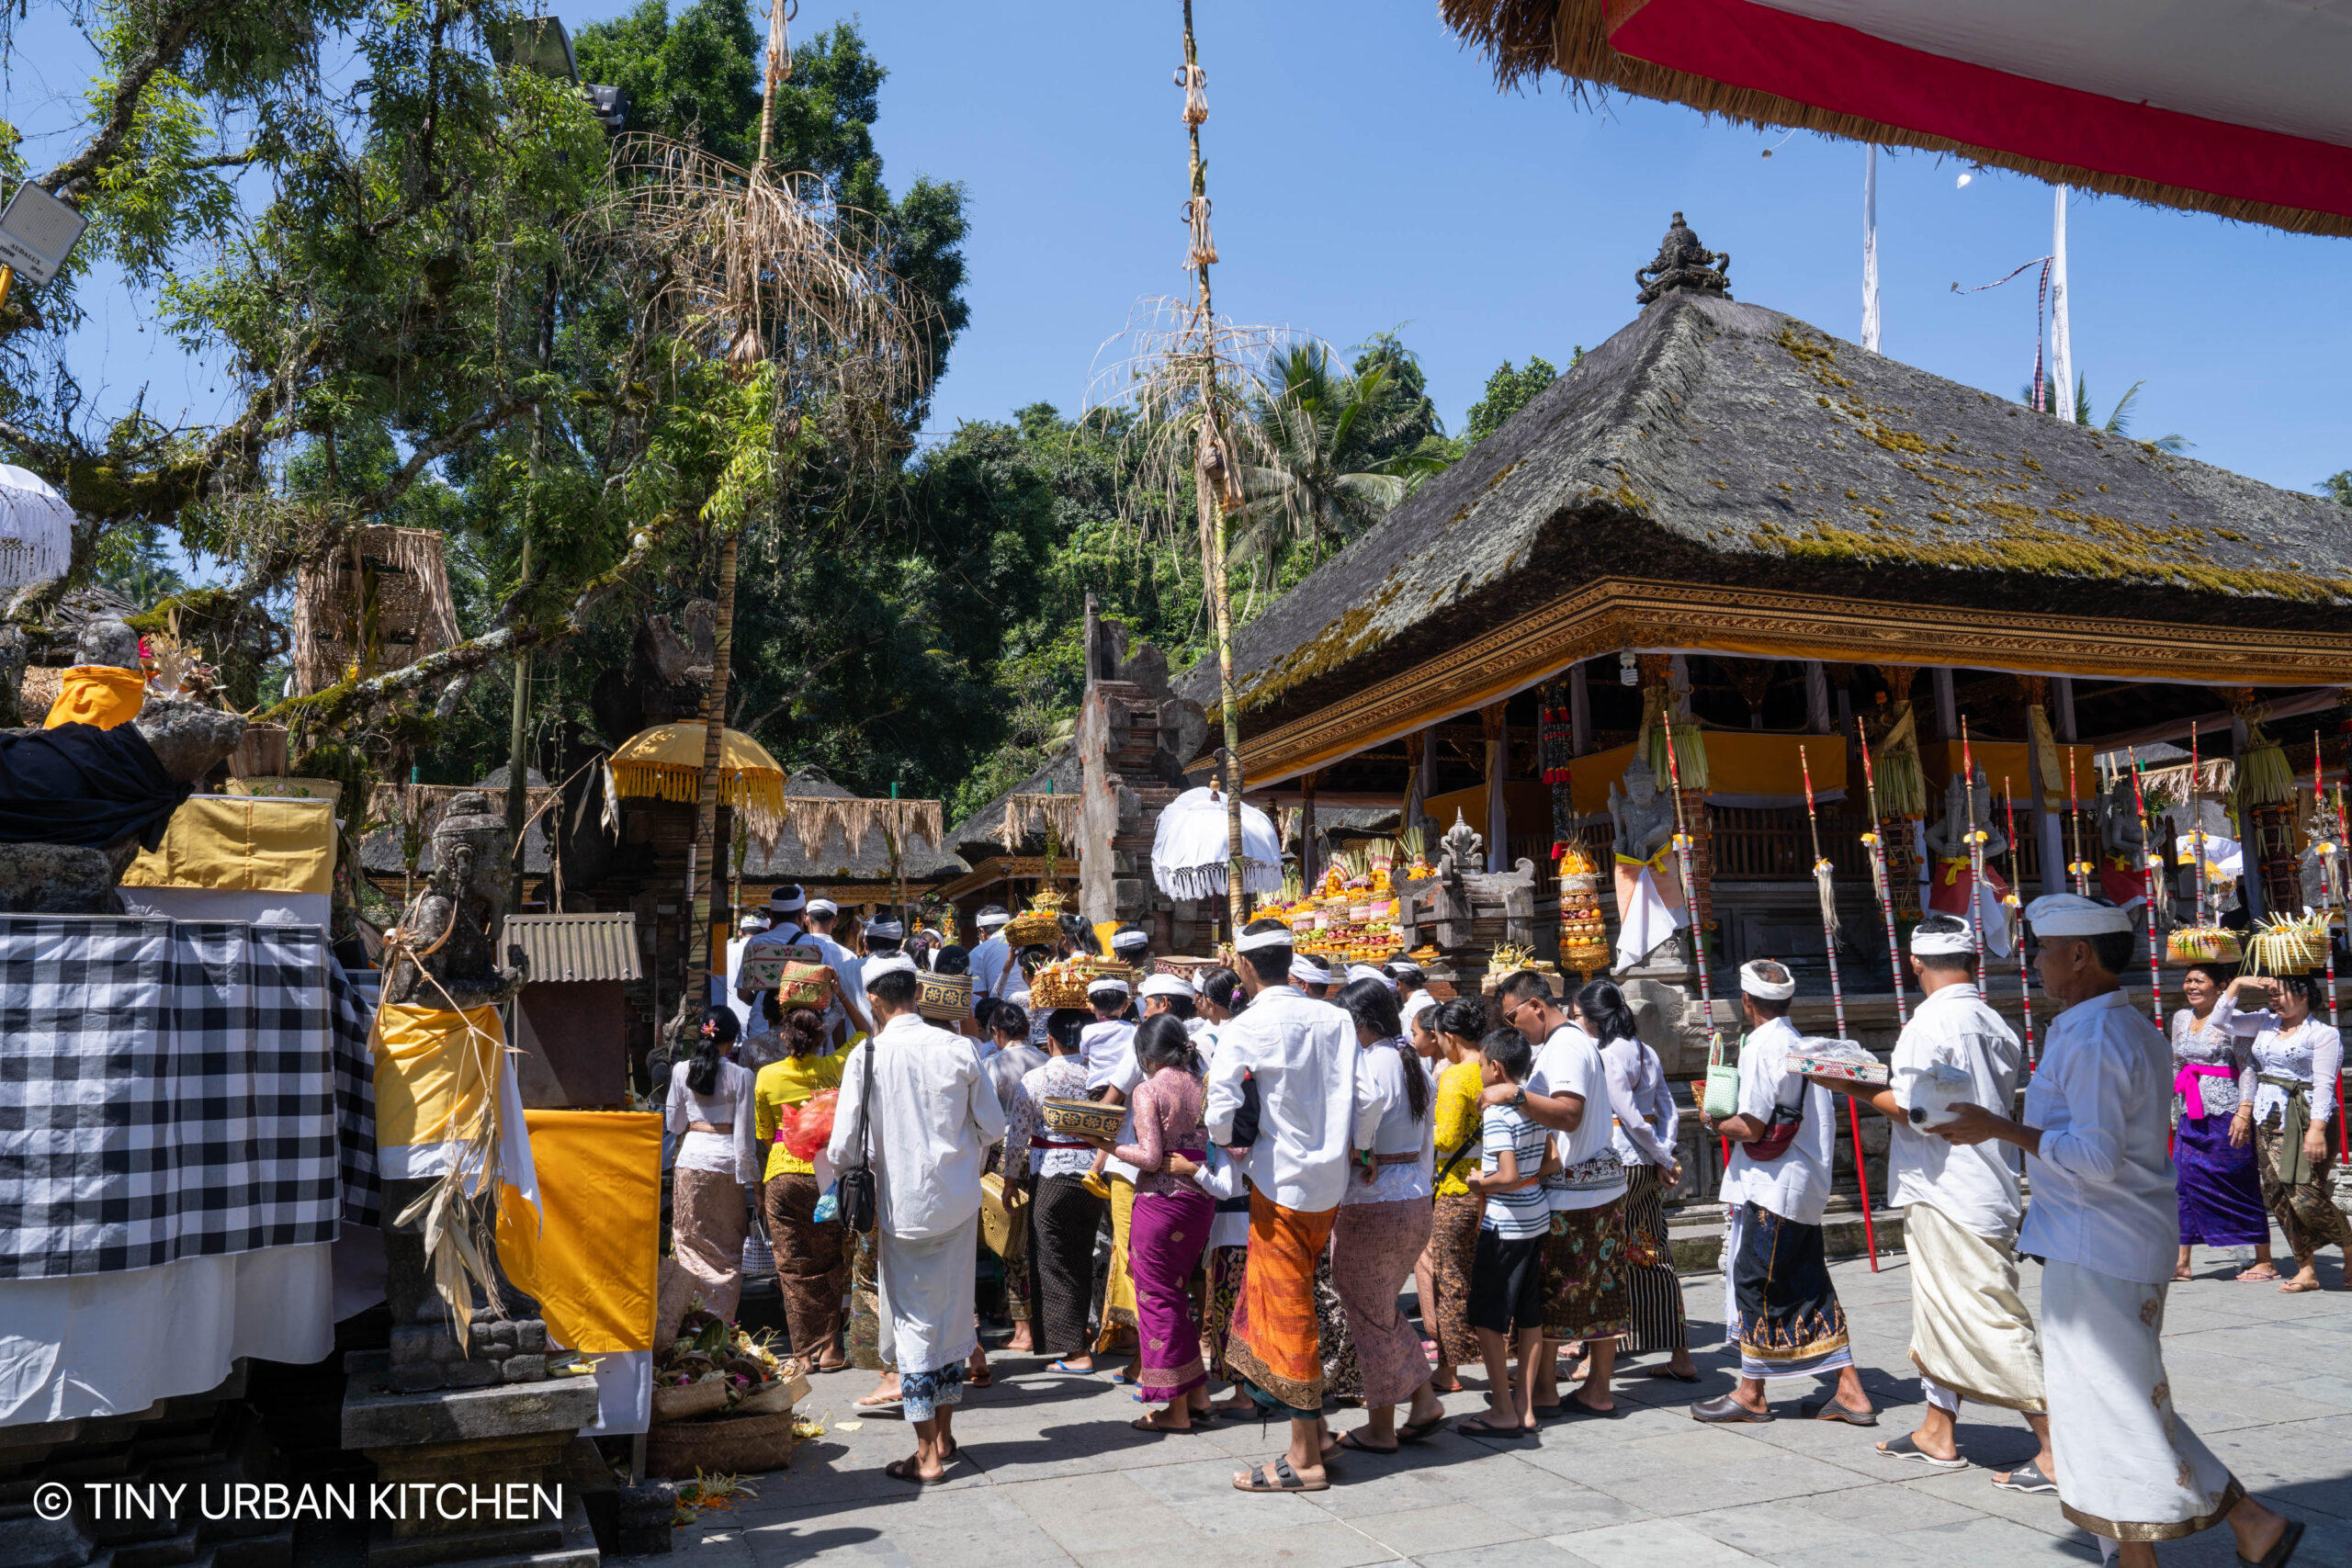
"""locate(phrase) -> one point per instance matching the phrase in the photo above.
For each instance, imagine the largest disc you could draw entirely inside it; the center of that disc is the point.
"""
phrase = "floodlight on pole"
(38, 231)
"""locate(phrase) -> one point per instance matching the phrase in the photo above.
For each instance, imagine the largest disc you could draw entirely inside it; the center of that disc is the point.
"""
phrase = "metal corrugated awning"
(571, 948)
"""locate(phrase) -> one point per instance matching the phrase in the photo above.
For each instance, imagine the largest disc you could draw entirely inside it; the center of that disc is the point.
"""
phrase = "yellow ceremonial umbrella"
(665, 763)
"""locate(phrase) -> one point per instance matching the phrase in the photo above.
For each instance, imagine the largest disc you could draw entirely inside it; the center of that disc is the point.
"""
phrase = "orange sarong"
(1274, 1344)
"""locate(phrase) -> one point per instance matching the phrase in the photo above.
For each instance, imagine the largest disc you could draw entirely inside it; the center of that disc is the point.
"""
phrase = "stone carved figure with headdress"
(1948, 835)
(1643, 813)
(1683, 263)
(452, 927)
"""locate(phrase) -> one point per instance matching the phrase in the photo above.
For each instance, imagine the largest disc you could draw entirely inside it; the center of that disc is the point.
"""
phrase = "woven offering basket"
(733, 1445)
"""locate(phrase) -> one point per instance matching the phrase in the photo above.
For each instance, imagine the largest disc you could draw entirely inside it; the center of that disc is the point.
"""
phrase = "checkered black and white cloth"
(172, 1089)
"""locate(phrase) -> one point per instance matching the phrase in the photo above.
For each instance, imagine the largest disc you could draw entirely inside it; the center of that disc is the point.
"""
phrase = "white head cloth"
(1250, 941)
(1164, 985)
(1309, 970)
(885, 931)
(1752, 980)
(989, 919)
(1418, 1003)
(1368, 972)
(890, 963)
(1102, 984)
(791, 905)
(1128, 941)
(1925, 943)
(753, 924)
(2070, 914)
(823, 907)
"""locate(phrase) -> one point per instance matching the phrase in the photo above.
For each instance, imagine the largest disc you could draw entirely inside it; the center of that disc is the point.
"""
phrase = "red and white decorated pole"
(1877, 877)
(2148, 890)
(2025, 979)
(1976, 846)
(2343, 1139)
(1820, 872)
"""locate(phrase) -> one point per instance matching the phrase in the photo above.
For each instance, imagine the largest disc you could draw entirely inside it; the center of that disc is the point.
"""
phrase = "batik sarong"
(2299, 1191)
(1374, 1248)
(1453, 1246)
(1653, 1290)
(2221, 1186)
(1169, 1230)
(1970, 1333)
(921, 1394)
(1274, 1345)
(809, 1265)
(1061, 1263)
(1118, 1283)
(1783, 1310)
(865, 1337)
(2129, 1468)
(708, 1224)
(1585, 1273)
(1226, 1268)
(1342, 1375)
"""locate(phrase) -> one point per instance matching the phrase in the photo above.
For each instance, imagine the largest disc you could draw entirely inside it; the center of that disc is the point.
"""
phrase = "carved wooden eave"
(1606, 616)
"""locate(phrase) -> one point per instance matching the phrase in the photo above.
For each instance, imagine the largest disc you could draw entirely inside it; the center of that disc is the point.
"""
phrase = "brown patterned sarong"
(1454, 1245)
(809, 1265)
(1225, 1267)
(1585, 1273)
(2305, 1210)
(1274, 1344)
(864, 1338)
(1374, 1248)
(707, 1225)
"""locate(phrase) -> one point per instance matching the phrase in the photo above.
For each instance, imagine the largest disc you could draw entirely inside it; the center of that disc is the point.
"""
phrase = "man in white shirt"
(933, 1113)
(1972, 1334)
(992, 961)
(847, 1010)
(1585, 1296)
(2105, 1223)
(1778, 1303)
(1298, 1058)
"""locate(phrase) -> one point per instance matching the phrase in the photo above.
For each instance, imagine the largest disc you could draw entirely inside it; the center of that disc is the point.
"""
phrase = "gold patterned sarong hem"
(2121, 1530)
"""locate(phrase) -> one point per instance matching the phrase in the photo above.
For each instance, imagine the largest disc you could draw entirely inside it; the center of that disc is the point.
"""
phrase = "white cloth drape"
(1649, 922)
(114, 1344)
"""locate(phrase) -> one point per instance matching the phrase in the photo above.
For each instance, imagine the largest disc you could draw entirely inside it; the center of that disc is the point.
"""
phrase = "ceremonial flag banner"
(593, 1258)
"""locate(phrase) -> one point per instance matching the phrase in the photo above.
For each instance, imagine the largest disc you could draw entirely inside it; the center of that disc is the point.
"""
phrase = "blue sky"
(1367, 176)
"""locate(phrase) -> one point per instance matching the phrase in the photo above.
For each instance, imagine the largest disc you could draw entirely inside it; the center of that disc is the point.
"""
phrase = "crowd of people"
(1293, 1145)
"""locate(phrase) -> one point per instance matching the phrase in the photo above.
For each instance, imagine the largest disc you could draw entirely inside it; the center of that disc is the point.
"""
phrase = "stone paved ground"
(1050, 1475)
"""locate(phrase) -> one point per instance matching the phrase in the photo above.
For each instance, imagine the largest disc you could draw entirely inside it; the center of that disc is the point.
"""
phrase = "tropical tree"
(1510, 389)
(1324, 478)
(2118, 418)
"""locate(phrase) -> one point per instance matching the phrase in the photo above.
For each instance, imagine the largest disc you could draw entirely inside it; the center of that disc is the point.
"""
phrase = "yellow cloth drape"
(592, 1254)
(432, 1073)
(1738, 762)
(99, 694)
(243, 844)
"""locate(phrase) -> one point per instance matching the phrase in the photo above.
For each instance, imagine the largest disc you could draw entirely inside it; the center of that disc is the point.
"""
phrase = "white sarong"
(1971, 1332)
(2129, 1468)
(926, 1288)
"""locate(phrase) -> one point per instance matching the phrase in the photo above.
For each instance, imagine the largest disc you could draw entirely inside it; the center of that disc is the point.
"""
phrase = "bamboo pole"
(2330, 872)
(2148, 891)
(1691, 905)
(1877, 878)
(2078, 869)
(2196, 817)
(2025, 979)
(1837, 1004)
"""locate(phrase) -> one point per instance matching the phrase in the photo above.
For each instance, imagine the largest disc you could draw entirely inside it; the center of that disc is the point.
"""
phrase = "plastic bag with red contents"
(805, 1131)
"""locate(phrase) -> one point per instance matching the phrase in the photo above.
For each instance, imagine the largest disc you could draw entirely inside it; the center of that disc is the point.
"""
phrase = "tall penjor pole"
(2148, 891)
(1691, 900)
(2197, 821)
(1822, 878)
(1976, 845)
(2331, 892)
(2025, 978)
(1877, 877)
(2078, 868)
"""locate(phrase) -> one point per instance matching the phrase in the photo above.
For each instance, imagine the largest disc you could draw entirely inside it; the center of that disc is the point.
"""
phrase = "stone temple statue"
(1643, 814)
(454, 924)
(1683, 263)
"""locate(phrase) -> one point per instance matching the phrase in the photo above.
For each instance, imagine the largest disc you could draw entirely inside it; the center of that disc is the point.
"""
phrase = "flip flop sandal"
(1479, 1426)
(1670, 1373)
(2264, 1277)
(1146, 1424)
(1548, 1412)
(1906, 1447)
(1420, 1431)
(984, 1380)
(1578, 1409)
(1280, 1477)
(1830, 1410)
(1240, 1413)
(1453, 1387)
(1348, 1442)
(905, 1469)
(2026, 1477)
(2280, 1550)
(1064, 1366)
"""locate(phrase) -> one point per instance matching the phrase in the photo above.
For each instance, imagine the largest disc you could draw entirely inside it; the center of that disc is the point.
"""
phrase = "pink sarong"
(1164, 1244)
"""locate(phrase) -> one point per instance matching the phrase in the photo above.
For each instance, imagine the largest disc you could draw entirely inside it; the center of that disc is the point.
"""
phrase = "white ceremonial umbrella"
(1189, 851)
(36, 528)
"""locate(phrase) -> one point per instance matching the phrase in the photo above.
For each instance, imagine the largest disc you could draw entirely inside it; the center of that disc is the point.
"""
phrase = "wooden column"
(1498, 763)
(1579, 710)
(2062, 713)
(2249, 845)
(1416, 780)
(1308, 870)
(2049, 835)
(1947, 726)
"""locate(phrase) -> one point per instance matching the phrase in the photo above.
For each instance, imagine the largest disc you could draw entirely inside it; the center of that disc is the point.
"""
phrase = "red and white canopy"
(2234, 107)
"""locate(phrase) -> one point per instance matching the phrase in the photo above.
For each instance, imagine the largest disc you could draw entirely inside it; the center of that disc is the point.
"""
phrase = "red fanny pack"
(1780, 1132)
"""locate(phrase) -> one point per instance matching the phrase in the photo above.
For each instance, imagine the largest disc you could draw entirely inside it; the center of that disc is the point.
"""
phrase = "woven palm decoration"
(382, 603)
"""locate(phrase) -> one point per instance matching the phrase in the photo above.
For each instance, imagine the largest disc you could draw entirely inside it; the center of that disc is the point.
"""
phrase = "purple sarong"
(2220, 1191)
(1164, 1245)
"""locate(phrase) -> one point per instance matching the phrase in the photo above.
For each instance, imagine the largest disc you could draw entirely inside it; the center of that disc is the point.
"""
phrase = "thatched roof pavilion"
(1721, 477)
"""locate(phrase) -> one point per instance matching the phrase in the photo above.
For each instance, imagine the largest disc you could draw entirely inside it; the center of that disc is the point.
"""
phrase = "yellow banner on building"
(592, 1260)
(243, 844)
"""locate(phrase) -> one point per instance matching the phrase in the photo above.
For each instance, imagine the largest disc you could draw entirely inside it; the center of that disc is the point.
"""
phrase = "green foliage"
(2118, 418)
(2339, 485)
(1510, 389)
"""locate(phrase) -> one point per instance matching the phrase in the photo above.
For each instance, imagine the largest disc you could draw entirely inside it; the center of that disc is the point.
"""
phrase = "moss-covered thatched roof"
(1723, 445)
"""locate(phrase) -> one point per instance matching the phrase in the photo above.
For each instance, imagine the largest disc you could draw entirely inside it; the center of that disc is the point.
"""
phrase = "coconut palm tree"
(2118, 418)
(1323, 480)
